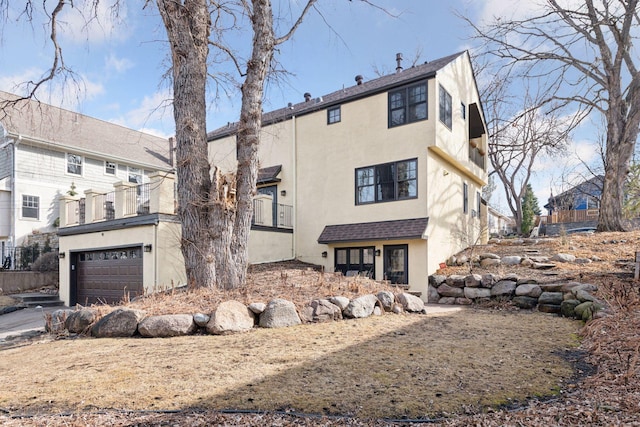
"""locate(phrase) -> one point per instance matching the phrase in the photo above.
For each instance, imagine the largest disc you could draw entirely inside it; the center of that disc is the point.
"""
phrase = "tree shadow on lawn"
(461, 362)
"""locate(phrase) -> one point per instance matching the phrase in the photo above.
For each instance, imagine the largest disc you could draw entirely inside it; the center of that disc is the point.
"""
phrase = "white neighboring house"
(45, 150)
(499, 223)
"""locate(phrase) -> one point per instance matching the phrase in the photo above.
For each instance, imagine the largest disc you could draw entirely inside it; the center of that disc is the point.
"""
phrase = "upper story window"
(135, 175)
(333, 115)
(445, 107)
(30, 207)
(408, 104)
(387, 182)
(109, 168)
(74, 164)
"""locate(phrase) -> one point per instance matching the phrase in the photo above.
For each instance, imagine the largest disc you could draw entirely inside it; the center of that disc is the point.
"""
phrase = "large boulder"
(475, 293)
(432, 294)
(504, 288)
(563, 257)
(525, 302)
(387, 299)
(120, 323)
(511, 260)
(489, 262)
(554, 298)
(456, 281)
(279, 313)
(321, 310)
(567, 308)
(340, 301)
(450, 291)
(411, 303)
(167, 325)
(81, 320)
(57, 320)
(361, 307)
(437, 279)
(230, 317)
(488, 280)
(529, 290)
(473, 281)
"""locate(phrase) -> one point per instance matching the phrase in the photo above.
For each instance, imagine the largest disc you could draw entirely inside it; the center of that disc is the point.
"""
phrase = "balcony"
(157, 196)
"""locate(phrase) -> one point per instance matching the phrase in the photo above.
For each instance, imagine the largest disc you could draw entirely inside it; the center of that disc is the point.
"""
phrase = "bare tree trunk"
(188, 28)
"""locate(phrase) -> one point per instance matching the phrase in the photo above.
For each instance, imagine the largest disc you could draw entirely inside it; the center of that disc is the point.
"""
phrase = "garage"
(106, 276)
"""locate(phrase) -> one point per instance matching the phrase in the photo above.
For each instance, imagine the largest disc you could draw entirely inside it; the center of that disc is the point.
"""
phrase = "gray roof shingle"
(67, 130)
(380, 230)
(380, 84)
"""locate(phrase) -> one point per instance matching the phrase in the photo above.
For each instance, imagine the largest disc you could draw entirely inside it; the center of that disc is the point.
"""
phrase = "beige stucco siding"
(270, 246)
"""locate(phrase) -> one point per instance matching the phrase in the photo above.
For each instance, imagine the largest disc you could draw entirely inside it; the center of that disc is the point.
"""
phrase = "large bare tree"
(587, 50)
(215, 220)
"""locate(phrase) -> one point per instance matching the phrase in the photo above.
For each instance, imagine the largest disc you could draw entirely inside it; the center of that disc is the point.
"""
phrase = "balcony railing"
(269, 214)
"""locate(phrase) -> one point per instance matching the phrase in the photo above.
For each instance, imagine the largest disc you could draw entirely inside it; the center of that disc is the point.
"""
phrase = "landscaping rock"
(529, 290)
(489, 262)
(168, 325)
(455, 280)
(81, 320)
(432, 294)
(526, 262)
(583, 261)
(377, 311)
(387, 299)
(511, 260)
(567, 308)
(488, 280)
(585, 311)
(575, 286)
(230, 317)
(411, 303)
(563, 258)
(463, 301)
(120, 323)
(473, 280)
(549, 308)
(488, 255)
(539, 259)
(542, 266)
(447, 301)
(257, 307)
(57, 321)
(503, 288)
(397, 309)
(554, 298)
(201, 319)
(474, 293)
(437, 279)
(584, 296)
(322, 310)
(525, 302)
(462, 260)
(341, 302)
(361, 307)
(280, 313)
(450, 291)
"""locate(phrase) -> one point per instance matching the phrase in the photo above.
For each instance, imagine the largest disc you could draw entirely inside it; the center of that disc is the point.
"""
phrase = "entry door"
(396, 264)
(272, 190)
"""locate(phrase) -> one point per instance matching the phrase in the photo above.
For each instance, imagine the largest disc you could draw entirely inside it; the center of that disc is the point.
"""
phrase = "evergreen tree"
(530, 208)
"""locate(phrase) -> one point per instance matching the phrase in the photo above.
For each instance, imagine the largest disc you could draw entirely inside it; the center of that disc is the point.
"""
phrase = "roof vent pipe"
(359, 79)
(399, 61)
(307, 97)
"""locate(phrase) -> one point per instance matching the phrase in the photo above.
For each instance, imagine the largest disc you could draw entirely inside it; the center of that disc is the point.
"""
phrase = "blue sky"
(121, 61)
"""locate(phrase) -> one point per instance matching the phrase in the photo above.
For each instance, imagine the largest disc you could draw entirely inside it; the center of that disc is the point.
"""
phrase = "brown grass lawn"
(388, 366)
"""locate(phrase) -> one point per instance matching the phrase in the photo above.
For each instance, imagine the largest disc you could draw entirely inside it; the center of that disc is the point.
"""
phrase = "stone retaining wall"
(571, 299)
(12, 282)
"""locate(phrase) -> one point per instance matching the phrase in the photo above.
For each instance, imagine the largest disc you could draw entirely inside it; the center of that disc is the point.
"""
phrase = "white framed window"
(30, 207)
(135, 175)
(110, 168)
(74, 164)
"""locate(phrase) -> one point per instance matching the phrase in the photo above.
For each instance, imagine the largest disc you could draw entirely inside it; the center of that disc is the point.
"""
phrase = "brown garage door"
(106, 277)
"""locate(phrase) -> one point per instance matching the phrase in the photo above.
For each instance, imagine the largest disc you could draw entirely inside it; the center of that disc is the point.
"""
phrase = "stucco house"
(382, 178)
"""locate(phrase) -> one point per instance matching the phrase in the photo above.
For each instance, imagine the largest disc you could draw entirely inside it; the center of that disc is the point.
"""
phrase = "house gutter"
(295, 186)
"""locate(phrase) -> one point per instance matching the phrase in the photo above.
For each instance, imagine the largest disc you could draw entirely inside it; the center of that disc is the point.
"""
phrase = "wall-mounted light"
(61, 255)
(324, 254)
(283, 193)
(377, 252)
(147, 248)
(445, 172)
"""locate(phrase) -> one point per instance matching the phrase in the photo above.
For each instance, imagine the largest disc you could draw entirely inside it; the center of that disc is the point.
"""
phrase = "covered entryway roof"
(380, 230)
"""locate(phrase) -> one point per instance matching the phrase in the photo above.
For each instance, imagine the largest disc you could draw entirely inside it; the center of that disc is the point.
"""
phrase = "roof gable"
(69, 131)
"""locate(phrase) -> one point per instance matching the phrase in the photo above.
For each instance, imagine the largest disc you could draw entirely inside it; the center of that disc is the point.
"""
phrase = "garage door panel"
(109, 276)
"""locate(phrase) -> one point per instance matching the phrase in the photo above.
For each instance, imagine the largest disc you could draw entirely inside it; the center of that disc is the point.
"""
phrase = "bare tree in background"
(215, 222)
(587, 51)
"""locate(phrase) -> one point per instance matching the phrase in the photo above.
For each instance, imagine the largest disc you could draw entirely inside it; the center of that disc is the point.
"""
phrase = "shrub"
(46, 262)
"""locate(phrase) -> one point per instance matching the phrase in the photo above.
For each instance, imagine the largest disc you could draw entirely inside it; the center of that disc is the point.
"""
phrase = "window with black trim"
(463, 111)
(445, 107)
(408, 104)
(478, 202)
(465, 196)
(387, 182)
(109, 168)
(333, 115)
(30, 207)
(74, 164)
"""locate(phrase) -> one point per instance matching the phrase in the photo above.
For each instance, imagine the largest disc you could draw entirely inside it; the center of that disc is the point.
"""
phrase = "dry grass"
(390, 366)
(6, 301)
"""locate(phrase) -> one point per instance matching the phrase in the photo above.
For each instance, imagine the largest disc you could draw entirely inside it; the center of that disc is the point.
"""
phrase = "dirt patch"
(6, 301)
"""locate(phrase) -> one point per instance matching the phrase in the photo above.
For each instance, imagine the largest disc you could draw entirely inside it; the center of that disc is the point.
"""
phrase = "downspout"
(14, 196)
(295, 186)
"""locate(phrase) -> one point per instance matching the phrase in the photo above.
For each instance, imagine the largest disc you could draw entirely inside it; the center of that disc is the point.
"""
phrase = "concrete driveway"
(26, 320)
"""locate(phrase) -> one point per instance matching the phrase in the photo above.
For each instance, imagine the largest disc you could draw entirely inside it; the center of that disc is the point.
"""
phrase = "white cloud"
(154, 114)
(119, 65)
(506, 9)
(95, 24)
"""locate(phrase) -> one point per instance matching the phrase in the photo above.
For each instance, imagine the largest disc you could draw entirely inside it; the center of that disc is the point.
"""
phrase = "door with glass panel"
(356, 261)
(396, 261)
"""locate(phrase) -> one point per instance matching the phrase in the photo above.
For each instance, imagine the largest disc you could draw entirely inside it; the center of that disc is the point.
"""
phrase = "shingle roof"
(381, 84)
(270, 174)
(68, 130)
(381, 230)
